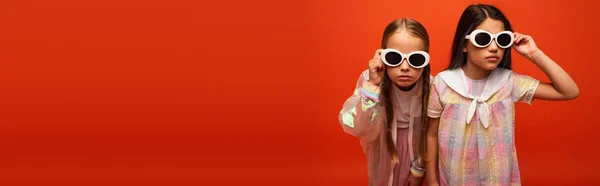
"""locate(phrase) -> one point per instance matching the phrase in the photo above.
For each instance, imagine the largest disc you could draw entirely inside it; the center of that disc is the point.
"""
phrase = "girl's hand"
(525, 45)
(376, 68)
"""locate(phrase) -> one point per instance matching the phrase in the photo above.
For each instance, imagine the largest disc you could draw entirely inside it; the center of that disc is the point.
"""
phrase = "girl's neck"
(406, 89)
(474, 72)
(409, 91)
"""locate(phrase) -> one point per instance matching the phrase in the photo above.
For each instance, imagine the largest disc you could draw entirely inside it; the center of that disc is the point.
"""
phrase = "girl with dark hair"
(470, 137)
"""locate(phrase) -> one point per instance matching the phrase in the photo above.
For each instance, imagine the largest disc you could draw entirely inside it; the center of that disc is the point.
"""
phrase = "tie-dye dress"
(471, 153)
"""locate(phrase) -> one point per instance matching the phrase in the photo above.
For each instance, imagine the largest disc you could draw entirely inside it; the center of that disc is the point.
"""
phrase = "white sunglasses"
(416, 59)
(482, 38)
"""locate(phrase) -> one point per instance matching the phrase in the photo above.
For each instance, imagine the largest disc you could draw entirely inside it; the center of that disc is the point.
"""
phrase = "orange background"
(246, 92)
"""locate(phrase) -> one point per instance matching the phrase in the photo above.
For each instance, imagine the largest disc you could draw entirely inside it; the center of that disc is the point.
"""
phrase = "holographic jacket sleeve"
(360, 115)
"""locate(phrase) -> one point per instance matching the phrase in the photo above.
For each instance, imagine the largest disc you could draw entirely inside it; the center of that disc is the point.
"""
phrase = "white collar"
(457, 81)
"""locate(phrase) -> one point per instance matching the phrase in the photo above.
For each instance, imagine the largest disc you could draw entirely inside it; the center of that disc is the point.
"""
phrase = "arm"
(562, 86)
(432, 151)
(360, 115)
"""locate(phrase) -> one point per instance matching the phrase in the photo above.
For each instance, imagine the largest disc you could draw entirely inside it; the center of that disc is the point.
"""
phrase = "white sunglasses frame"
(493, 36)
(404, 57)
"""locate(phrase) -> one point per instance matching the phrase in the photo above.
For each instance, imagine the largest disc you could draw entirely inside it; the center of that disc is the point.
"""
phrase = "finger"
(373, 69)
(381, 67)
(521, 38)
(518, 38)
(378, 54)
(519, 35)
(373, 65)
(526, 39)
(376, 65)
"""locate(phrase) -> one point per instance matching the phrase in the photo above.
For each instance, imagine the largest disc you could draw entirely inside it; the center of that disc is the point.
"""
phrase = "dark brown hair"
(472, 17)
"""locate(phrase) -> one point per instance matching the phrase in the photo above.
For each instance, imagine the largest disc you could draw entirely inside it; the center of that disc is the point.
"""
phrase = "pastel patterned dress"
(477, 126)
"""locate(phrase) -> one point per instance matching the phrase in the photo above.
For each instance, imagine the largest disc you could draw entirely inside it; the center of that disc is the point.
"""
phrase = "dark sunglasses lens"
(503, 40)
(416, 60)
(482, 39)
(393, 58)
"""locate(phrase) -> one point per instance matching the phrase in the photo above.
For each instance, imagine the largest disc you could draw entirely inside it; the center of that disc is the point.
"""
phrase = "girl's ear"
(464, 48)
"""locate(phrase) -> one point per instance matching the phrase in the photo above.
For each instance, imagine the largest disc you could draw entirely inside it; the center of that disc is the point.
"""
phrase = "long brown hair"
(415, 28)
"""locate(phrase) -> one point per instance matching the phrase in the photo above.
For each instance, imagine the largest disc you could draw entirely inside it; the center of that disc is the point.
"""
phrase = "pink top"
(402, 103)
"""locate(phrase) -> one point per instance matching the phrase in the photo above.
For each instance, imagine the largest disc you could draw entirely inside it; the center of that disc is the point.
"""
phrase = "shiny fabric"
(364, 117)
